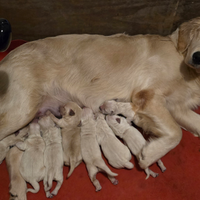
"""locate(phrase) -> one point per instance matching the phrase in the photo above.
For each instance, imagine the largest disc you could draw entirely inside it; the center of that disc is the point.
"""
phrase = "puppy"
(53, 155)
(113, 108)
(132, 137)
(70, 129)
(17, 183)
(118, 154)
(90, 149)
(11, 140)
(32, 166)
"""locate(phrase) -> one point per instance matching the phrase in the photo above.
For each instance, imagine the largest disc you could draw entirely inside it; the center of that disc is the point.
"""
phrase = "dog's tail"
(103, 167)
(72, 163)
(36, 187)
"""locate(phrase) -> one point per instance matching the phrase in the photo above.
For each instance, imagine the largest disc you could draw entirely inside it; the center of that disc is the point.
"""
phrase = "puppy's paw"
(141, 160)
(49, 195)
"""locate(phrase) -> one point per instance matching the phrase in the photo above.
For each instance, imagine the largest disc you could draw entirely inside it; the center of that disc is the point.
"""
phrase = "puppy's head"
(117, 124)
(187, 41)
(71, 112)
(109, 107)
(45, 122)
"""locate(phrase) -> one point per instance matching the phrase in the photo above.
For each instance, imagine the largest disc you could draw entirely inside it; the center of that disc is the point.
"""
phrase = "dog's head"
(187, 41)
(117, 124)
(71, 112)
(109, 107)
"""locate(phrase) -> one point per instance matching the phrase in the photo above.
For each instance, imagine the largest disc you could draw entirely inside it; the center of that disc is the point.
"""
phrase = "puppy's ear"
(118, 120)
(21, 146)
(71, 112)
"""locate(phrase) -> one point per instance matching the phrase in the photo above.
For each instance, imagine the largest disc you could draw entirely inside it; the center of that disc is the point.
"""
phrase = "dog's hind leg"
(161, 165)
(16, 113)
(92, 171)
(57, 188)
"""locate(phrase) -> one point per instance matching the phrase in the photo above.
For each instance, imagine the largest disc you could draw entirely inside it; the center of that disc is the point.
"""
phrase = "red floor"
(181, 180)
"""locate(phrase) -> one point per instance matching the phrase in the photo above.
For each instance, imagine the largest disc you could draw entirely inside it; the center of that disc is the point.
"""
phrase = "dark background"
(34, 19)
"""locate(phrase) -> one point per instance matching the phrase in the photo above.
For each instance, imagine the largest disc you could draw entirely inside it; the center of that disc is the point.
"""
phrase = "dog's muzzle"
(196, 59)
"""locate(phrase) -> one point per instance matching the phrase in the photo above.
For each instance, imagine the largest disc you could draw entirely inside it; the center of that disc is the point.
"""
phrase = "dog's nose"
(196, 58)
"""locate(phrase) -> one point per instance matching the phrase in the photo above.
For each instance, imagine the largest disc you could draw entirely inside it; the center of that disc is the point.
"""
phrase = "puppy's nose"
(196, 58)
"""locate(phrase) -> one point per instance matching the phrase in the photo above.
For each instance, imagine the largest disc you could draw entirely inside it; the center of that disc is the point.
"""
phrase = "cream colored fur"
(132, 137)
(70, 129)
(17, 185)
(152, 71)
(113, 108)
(53, 155)
(32, 166)
(90, 150)
(11, 140)
(117, 154)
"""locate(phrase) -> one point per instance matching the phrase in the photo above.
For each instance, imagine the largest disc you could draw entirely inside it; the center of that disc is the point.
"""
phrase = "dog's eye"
(118, 120)
(71, 112)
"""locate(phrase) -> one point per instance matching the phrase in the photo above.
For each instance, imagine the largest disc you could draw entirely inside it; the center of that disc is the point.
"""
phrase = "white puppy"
(32, 164)
(116, 152)
(132, 137)
(53, 155)
(90, 149)
(11, 140)
(113, 107)
(70, 129)
(17, 183)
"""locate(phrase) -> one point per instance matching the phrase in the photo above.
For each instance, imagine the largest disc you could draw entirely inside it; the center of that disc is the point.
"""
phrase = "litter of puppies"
(40, 150)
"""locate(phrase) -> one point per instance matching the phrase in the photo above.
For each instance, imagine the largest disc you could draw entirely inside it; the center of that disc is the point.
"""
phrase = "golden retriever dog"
(17, 183)
(32, 166)
(159, 75)
(117, 154)
(70, 130)
(91, 151)
(132, 137)
(53, 155)
(10, 141)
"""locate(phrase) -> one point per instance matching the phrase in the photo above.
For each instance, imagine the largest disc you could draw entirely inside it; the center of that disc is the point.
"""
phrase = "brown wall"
(34, 19)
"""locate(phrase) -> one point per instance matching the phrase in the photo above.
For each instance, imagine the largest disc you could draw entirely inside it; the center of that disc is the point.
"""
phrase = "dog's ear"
(118, 120)
(183, 36)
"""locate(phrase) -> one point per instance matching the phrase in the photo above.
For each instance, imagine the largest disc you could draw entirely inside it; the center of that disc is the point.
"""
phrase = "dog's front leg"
(152, 115)
(189, 120)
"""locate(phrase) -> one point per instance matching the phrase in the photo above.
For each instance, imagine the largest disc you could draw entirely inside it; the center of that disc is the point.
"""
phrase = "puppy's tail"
(36, 187)
(103, 167)
(72, 163)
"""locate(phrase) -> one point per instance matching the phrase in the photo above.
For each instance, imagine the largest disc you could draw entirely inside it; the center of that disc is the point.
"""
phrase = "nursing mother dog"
(160, 75)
